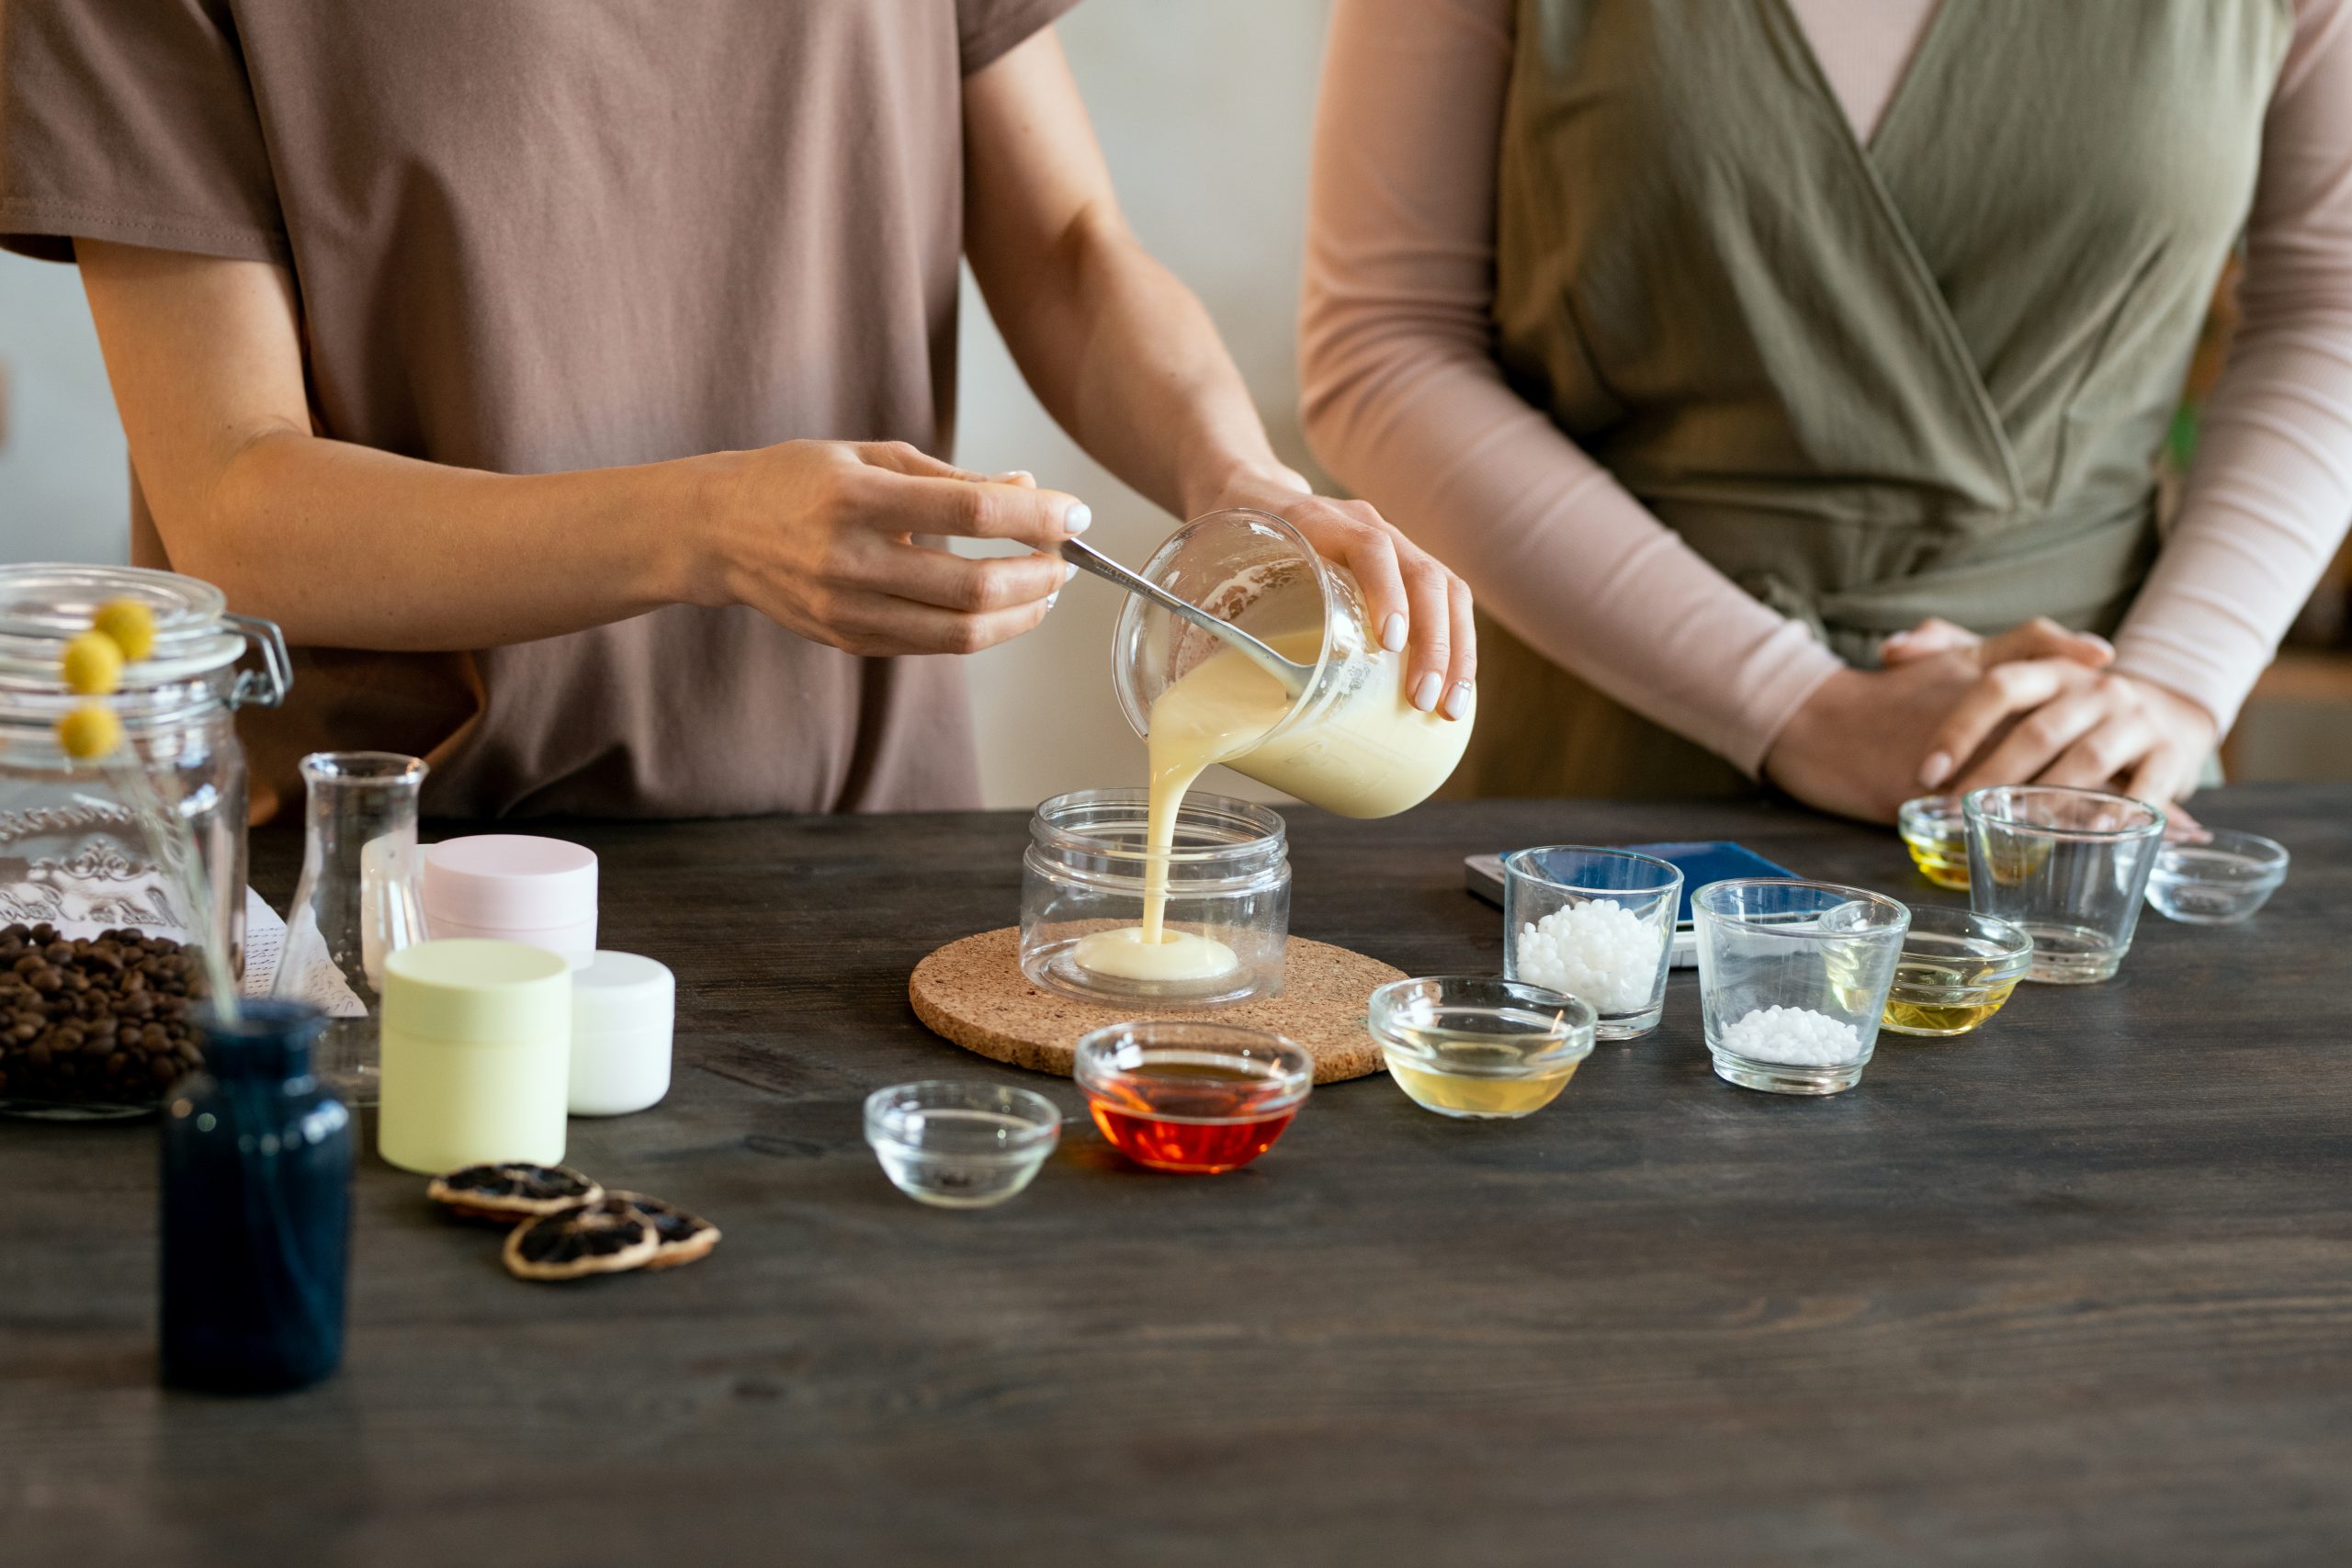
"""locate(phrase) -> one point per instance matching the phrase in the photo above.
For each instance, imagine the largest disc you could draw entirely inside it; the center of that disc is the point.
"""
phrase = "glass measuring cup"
(1351, 742)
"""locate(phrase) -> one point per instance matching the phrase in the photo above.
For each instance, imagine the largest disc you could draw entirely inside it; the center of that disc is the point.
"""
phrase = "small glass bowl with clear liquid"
(2217, 882)
(1477, 1047)
(959, 1146)
(1957, 970)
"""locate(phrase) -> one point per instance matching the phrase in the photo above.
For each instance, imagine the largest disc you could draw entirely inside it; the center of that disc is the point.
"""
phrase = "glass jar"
(77, 853)
(1350, 743)
(1082, 886)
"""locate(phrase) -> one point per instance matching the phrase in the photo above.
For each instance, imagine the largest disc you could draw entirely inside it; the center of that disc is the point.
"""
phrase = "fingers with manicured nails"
(1352, 533)
(2042, 638)
(1999, 693)
(1462, 681)
(905, 457)
(1430, 662)
(2180, 827)
(959, 582)
(2119, 740)
(975, 511)
(1933, 636)
(2036, 741)
(2163, 776)
(869, 623)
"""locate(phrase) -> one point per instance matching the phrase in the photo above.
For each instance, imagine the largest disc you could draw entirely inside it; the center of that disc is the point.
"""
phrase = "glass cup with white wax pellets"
(1793, 979)
(1594, 923)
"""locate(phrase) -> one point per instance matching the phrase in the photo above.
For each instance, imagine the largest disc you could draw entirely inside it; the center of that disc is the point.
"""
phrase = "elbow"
(1339, 360)
(207, 528)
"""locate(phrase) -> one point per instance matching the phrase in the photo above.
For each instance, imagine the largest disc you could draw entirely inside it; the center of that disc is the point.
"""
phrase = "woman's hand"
(1419, 608)
(1854, 747)
(2053, 721)
(821, 536)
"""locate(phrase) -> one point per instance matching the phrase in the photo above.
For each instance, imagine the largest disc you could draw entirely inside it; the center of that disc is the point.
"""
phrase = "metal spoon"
(1294, 675)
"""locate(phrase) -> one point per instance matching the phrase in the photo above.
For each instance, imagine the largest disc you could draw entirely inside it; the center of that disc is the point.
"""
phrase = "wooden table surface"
(2077, 1289)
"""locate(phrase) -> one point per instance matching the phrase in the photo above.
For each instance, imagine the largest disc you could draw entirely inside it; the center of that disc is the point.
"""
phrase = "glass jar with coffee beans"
(107, 923)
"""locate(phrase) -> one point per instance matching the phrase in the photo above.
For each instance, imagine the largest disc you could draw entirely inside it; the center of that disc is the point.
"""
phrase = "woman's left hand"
(1418, 607)
(2068, 724)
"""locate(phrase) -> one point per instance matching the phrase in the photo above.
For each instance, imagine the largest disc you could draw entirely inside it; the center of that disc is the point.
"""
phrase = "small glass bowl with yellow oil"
(1936, 833)
(1478, 1046)
(1957, 970)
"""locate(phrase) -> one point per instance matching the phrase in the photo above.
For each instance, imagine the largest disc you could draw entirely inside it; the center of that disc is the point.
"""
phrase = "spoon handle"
(1087, 558)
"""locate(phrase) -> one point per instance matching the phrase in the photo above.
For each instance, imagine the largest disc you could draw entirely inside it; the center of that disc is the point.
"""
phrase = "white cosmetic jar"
(623, 1008)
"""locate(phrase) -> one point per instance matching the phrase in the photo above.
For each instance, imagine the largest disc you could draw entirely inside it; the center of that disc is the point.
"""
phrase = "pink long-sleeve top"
(1405, 403)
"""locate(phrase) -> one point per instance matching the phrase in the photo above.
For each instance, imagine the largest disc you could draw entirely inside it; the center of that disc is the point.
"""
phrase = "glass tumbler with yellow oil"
(1479, 1047)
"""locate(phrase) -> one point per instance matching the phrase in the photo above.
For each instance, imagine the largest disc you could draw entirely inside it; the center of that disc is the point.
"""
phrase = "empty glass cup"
(2069, 865)
(358, 900)
(1597, 924)
(1793, 980)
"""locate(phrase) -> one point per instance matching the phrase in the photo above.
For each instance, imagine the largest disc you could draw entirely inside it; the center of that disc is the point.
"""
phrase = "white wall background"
(65, 482)
(1202, 108)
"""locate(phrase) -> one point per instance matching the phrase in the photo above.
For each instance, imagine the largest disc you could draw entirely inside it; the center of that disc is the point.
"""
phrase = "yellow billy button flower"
(129, 624)
(92, 665)
(89, 732)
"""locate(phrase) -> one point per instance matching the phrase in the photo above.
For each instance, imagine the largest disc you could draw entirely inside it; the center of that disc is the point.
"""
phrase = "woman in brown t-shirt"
(563, 376)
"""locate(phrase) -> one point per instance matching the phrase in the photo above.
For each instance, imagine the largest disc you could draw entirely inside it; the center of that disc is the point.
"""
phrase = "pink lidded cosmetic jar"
(513, 887)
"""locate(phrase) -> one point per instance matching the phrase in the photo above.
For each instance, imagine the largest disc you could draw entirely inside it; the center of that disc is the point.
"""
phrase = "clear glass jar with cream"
(1084, 886)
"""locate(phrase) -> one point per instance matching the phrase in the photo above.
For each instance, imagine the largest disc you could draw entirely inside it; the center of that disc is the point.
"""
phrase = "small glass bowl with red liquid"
(1191, 1096)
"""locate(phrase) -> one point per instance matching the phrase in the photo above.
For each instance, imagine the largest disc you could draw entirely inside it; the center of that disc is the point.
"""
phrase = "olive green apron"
(1927, 376)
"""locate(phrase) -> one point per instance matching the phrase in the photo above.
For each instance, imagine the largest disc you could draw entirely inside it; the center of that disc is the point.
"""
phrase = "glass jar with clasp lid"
(91, 1026)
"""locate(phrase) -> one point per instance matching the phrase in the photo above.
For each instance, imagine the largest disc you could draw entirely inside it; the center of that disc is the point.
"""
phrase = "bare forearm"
(344, 546)
(1126, 360)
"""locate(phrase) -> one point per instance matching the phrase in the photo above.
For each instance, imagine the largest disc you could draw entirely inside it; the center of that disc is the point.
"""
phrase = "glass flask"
(82, 851)
(358, 899)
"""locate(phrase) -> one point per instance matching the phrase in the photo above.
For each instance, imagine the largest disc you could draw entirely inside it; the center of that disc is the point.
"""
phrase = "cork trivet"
(973, 993)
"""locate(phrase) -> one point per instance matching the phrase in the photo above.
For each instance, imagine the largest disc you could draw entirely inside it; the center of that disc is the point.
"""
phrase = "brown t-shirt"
(539, 235)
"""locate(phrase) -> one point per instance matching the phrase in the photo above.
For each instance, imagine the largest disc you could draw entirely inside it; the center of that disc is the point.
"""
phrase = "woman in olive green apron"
(1871, 376)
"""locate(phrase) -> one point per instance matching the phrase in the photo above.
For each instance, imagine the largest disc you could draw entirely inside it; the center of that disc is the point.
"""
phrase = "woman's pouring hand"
(1854, 747)
(1417, 608)
(824, 538)
(2045, 713)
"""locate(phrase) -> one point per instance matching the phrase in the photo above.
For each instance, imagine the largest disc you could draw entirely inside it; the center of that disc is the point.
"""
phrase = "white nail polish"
(1425, 692)
(1457, 701)
(1935, 770)
(1068, 571)
(1392, 634)
(1052, 598)
(1078, 519)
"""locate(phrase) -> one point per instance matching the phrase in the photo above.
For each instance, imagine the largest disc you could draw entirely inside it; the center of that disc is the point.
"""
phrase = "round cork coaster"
(973, 993)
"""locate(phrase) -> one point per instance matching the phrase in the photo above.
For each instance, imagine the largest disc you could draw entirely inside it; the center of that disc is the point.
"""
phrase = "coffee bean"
(101, 1020)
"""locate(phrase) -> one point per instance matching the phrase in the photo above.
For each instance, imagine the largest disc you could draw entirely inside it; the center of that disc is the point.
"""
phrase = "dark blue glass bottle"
(256, 1208)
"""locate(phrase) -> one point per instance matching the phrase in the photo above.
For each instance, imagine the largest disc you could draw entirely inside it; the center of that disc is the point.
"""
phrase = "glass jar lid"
(44, 605)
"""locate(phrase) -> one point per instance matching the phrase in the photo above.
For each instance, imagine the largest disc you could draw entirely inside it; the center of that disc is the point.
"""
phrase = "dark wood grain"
(2077, 1289)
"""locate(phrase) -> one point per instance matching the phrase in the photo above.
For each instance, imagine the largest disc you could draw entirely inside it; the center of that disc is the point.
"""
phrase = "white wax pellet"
(1797, 1037)
(1599, 950)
